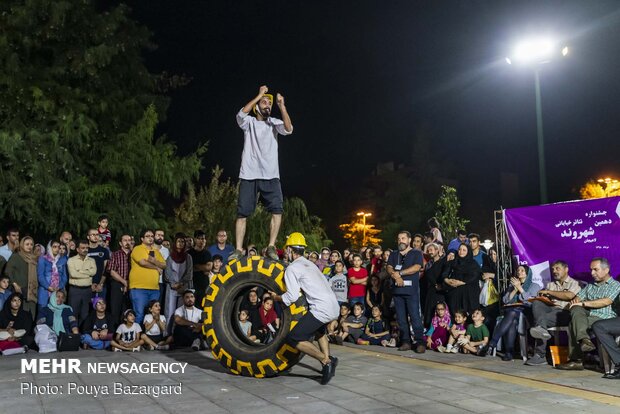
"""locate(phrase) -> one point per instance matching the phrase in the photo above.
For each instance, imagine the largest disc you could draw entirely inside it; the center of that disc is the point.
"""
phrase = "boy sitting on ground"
(477, 334)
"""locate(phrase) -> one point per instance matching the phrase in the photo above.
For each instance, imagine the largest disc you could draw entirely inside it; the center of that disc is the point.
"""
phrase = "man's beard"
(159, 241)
(402, 246)
(265, 112)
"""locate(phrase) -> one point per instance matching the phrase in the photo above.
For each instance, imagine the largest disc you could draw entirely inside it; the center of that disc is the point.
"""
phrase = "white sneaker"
(392, 343)
(442, 349)
(136, 349)
(196, 344)
(455, 350)
(118, 350)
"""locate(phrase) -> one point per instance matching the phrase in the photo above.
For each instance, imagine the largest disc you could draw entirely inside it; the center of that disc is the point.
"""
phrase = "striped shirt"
(607, 289)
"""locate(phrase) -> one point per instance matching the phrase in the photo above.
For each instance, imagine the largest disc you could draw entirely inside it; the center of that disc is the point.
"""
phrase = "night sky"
(363, 78)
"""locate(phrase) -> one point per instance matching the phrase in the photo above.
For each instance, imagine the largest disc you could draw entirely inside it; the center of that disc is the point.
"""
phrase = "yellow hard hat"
(268, 96)
(296, 239)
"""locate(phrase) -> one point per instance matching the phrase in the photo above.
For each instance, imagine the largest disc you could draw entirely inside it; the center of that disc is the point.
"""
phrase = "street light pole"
(542, 171)
(536, 52)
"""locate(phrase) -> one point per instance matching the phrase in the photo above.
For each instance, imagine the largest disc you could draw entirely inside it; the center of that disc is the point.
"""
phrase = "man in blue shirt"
(404, 267)
(221, 248)
(460, 239)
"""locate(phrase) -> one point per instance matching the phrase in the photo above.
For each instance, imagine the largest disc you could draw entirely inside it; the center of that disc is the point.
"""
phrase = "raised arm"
(288, 125)
(261, 92)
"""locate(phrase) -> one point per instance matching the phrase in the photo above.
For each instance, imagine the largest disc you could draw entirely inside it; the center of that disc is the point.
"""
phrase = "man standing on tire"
(260, 172)
(303, 275)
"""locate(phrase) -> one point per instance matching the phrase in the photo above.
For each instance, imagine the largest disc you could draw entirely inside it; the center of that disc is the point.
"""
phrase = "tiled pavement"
(368, 380)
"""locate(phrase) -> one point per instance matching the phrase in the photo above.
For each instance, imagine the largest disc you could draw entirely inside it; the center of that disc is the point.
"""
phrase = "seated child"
(128, 334)
(155, 328)
(353, 326)
(98, 327)
(377, 331)
(457, 330)
(335, 329)
(477, 334)
(245, 325)
(439, 331)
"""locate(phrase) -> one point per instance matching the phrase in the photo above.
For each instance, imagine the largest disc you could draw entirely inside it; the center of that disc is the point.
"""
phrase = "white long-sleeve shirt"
(259, 160)
(303, 275)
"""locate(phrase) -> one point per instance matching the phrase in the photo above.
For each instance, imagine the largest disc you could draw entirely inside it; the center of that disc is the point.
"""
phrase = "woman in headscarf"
(178, 277)
(15, 324)
(461, 280)
(52, 273)
(22, 269)
(516, 302)
(58, 316)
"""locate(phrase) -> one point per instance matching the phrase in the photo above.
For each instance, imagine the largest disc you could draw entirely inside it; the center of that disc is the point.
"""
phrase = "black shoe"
(334, 364)
(612, 375)
(326, 373)
(507, 357)
(420, 348)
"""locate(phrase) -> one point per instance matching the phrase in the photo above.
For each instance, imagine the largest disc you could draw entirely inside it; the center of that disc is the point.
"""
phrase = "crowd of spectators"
(133, 295)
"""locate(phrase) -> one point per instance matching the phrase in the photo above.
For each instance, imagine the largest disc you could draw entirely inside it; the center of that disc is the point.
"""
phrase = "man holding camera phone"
(147, 264)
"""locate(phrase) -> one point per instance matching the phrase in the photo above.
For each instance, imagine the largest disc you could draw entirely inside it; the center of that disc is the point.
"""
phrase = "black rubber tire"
(221, 328)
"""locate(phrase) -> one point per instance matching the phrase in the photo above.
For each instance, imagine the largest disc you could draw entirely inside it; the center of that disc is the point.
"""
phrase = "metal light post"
(364, 215)
(537, 52)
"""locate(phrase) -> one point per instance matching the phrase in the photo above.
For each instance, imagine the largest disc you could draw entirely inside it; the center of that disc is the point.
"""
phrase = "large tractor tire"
(221, 327)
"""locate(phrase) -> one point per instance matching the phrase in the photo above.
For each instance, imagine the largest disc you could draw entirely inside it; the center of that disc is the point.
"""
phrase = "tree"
(448, 206)
(78, 112)
(353, 233)
(214, 207)
(599, 189)
(398, 203)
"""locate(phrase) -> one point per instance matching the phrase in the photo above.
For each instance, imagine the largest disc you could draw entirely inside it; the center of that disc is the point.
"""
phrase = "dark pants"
(184, 336)
(408, 307)
(162, 294)
(491, 313)
(119, 301)
(606, 332)
(547, 317)
(79, 300)
(580, 321)
(507, 330)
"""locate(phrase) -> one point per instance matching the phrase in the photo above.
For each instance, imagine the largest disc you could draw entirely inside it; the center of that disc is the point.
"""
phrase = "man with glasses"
(221, 247)
(146, 266)
(100, 255)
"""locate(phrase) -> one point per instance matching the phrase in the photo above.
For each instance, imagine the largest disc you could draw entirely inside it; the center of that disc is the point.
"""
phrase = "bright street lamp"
(364, 215)
(535, 52)
(611, 185)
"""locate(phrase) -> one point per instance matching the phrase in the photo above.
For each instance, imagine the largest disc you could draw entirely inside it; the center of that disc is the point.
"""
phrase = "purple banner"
(574, 231)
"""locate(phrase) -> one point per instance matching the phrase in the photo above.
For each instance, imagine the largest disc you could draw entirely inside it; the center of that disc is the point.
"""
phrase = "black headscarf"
(465, 265)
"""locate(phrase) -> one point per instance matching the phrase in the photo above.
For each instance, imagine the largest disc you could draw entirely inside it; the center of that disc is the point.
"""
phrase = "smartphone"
(152, 253)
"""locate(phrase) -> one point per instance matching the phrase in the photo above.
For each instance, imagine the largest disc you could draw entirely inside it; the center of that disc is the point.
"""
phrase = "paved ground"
(368, 380)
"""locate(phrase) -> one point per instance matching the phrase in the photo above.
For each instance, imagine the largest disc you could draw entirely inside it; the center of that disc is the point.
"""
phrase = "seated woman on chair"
(515, 299)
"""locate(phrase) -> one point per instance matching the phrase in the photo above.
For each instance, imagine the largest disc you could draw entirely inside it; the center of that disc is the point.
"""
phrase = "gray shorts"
(270, 194)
